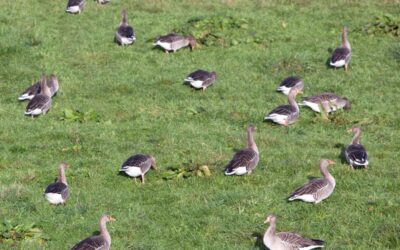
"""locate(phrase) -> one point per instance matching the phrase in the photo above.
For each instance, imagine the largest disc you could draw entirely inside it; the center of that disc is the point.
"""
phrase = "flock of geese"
(243, 162)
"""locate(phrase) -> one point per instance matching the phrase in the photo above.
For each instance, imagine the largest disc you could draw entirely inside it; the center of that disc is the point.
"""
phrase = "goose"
(341, 55)
(57, 192)
(316, 190)
(138, 165)
(34, 89)
(41, 103)
(287, 240)
(174, 42)
(103, 1)
(97, 242)
(201, 79)
(125, 34)
(290, 82)
(245, 160)
(356, 154)
(75, 6)
(329, 102)
(286, 114)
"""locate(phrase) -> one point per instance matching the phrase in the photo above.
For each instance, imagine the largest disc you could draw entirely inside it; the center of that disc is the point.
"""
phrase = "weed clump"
(223, 31)
(385, 24)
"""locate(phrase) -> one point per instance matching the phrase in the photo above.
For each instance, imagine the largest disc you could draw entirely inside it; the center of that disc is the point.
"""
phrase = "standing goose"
(125, 34)
(290, 82)
(174, 42)
(356, 154)
(245, 160)
(287, 240)
(286, 114)
(57, 192)
(316, 190)
(97, 242)
(34, 89)
(138, 165)
(41, 103)
(341, 55)
(75, 6)
(329, 102)
(201, 79)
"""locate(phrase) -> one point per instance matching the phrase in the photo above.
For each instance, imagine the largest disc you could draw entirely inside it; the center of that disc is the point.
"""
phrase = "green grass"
(143, 107)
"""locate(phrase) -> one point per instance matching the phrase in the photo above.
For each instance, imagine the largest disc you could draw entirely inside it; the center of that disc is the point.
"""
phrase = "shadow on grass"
(259, 244)
(342, 155)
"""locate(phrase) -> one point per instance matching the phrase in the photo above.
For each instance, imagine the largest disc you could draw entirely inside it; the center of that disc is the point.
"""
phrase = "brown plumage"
(174, 42)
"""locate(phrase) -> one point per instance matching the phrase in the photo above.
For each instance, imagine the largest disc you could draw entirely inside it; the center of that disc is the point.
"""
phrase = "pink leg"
(142, 177)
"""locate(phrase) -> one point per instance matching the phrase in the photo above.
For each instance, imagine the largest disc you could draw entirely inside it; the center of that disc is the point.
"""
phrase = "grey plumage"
(355, 153)
(201, 78)
(58, 188)
(138, 165)
(341, 56)
(287, 240)
(34, 89)
(174, 42)
(329, 102)
(125, 34)
(40, 103)
(316, 190)
(75, 6)
(288, 83)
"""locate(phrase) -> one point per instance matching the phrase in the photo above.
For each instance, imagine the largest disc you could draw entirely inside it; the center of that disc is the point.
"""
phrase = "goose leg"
(142, 177)
(134, 179)
(345, 67)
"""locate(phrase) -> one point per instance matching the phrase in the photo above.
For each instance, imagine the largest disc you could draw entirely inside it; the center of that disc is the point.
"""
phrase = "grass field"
(141, 104)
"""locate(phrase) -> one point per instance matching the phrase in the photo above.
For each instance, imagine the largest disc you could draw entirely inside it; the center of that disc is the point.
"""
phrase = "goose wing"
(321, 98)
(283, 110)
(201, 75)
(312, 187)
(170, 38)
(290, 82)
(38, 102)
(126, 31)
(295, 241)
(91, 243)
(357, 154)
(340, 53)
(30, 92)
(75, 3)
(242, 158)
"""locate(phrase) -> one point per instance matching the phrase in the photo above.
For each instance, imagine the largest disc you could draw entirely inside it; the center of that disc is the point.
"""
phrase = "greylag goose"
(201, 79)
(34, 89)
(287, 240)
(356, 154)
(286, 114)
(329, 102)
(174, 42)
(138, 165)
(125, 34)
(75, 6)
(57, 192)
(290, 82)
(245, 160)
(97, 242)
(41, 103)
(103, 1)
(341, 55)
(316, 190)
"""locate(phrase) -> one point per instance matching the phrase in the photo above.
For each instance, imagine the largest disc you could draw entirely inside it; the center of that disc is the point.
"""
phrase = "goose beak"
(331, 162)
(155, 167)
(112, 218)
(266, 221)
(350, 130)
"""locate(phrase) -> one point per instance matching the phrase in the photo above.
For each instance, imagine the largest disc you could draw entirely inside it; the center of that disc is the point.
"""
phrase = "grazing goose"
(201, 79)
(34, 89)
(356, 154)
(97, 242)
(330, 102)
(286, 114)
(138, 165)
(245, 160)
(287, 240)
(290, 82)
(174, 42)
(125, 34)
(316, 190)
(75, 6)
(57, 192)
(341, 55)
(40, 103)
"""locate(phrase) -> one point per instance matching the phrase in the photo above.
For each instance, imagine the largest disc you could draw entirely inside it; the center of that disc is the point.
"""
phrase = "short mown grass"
(140, 105)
